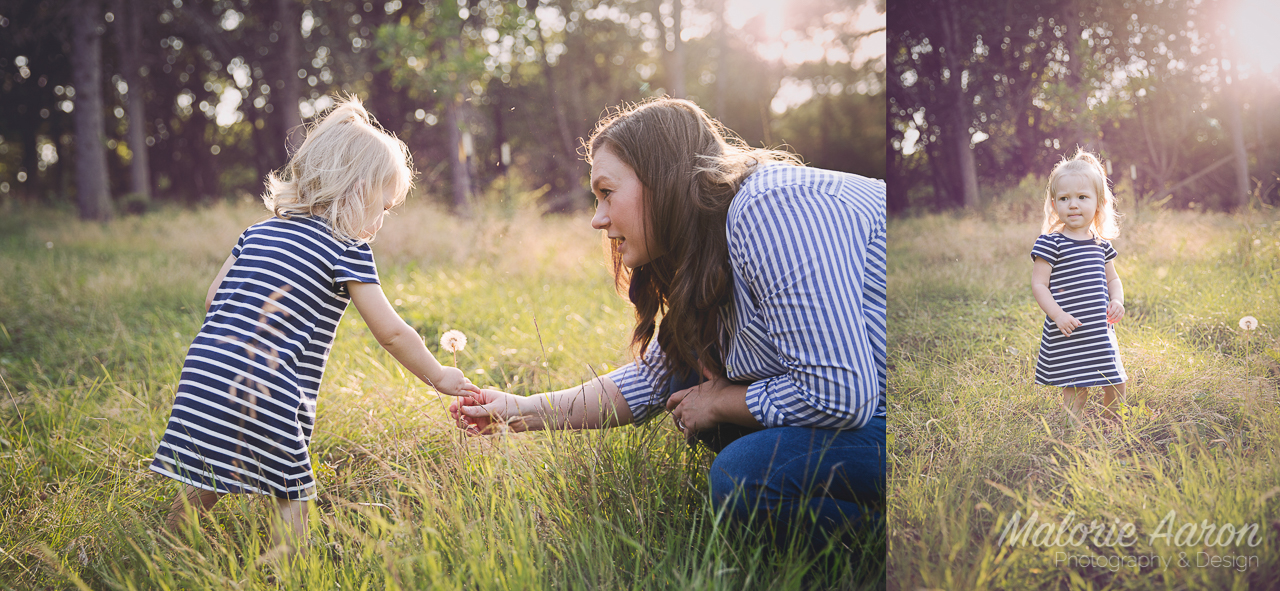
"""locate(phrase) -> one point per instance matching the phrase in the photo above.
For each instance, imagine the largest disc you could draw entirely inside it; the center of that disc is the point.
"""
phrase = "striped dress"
(246, 400)
(806, 325)
(1090, 356)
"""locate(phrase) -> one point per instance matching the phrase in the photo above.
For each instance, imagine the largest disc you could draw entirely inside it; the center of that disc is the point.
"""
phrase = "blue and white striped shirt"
(1078, 284)
(807, 322)
(246, 401)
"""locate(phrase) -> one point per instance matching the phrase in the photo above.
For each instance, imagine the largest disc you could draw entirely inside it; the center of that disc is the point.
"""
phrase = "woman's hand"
(708, 404)
(1115, 311)
(480, 413)
(1067, 323)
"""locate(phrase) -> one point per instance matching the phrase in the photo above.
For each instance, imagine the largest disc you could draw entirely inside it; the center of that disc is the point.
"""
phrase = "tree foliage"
(222, 86)
(1152, 86)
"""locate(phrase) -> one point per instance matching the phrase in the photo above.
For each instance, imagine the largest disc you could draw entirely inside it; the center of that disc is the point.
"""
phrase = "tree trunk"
(1236, 128)
(673, 59)
(567, 161)
(675, 66)
(722, 60)
(92, 183)
(499, 127)
(30, 127)
(957, 123)
(458, 158)
(262, 144)
(1076, 46)
(944, 191)
(288, 115)
(127, 36)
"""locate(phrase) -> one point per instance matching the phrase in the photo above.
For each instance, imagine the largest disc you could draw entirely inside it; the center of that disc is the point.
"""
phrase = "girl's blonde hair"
(345, 161)
(1106, 220)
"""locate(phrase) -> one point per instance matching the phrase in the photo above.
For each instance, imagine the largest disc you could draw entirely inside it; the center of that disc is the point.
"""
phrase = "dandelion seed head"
(453, 341)
(1248, 323)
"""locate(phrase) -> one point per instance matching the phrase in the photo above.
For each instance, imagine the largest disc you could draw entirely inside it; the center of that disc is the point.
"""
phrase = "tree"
(92, 183)
(672, 59)
(215, 86)
(430, 57)
(287, 26)
(567, 163)
(128, 35)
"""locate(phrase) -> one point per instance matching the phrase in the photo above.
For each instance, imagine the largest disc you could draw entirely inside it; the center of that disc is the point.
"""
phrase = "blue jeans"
(818, 480)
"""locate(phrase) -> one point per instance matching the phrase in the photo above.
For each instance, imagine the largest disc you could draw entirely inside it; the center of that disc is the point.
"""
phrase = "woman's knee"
(735, 476)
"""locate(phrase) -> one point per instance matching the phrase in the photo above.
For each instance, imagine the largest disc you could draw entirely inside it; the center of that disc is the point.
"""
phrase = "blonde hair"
(1106, 220)
(345, 160)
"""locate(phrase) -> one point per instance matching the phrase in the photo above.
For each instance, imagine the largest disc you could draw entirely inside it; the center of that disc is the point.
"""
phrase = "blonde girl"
(1074, 281)
(245, 407)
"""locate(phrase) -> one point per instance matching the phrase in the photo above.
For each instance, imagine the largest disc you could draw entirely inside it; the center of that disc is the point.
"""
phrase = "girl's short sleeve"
(355, 264)
(1045, 248)
(235, 252)
(1108, 252)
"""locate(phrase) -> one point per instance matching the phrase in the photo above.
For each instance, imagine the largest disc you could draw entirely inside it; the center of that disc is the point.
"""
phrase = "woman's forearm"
(591, 405)
(731, 407)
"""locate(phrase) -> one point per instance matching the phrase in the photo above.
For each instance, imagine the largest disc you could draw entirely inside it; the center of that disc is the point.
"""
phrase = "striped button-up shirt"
(807, 324)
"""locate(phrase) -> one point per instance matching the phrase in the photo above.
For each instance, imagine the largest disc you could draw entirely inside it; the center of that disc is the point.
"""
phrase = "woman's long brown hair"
(691, 168)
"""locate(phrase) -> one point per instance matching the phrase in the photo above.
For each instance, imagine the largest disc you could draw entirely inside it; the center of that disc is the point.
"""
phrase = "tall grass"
(973, 442)
(94, 323)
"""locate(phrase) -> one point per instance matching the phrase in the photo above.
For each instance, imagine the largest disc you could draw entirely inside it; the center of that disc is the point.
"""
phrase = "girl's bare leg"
(1073, 399)
(289, 529)
(199, 499)
(1109, 396)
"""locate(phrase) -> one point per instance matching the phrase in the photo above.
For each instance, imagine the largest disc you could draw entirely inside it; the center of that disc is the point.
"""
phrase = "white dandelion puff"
(453, 341)
(1248, 323)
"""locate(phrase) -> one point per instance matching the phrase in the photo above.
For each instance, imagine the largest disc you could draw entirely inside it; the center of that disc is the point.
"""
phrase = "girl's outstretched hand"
(1067, 324)
(1115, 311)
(480, 412)
(454, 383)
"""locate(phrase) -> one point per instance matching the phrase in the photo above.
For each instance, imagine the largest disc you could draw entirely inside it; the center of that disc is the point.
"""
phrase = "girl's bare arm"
(1115, 308)
(403, 342)
(591, 405)
(217, 282)
(1040, 273)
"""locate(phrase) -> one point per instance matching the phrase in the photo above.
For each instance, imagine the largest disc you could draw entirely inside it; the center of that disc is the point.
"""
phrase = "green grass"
(973, 441)
(94, 323)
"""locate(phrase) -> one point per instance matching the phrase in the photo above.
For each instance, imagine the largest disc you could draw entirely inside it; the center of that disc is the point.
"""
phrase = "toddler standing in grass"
(246, 400)
(1074, 281)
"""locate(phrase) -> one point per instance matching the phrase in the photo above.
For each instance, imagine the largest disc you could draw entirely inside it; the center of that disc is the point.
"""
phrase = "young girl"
(1075, 282)
(246, 400)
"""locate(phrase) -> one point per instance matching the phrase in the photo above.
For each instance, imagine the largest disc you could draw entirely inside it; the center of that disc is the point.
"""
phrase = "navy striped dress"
(246, 400)
(1090, 356)
(807, 323)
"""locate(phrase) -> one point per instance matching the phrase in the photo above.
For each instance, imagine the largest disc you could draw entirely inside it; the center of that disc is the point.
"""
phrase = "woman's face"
(620, 207)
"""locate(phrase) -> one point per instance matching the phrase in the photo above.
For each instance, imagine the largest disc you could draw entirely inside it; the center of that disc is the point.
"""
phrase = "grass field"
(974, 444)
(94, 323)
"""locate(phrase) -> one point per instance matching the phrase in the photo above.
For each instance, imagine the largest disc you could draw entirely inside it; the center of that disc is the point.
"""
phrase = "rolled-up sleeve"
(639, 381)
(814, 264)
